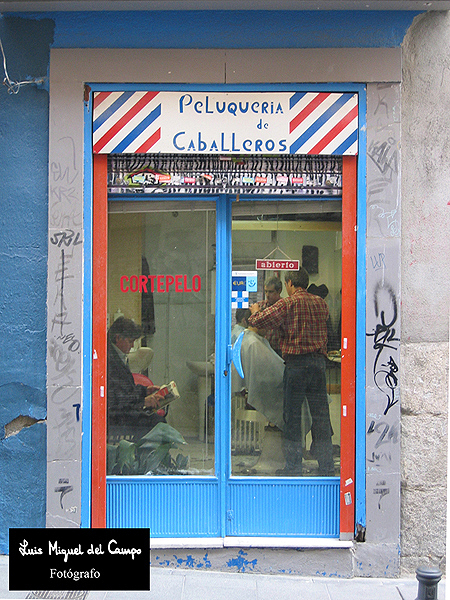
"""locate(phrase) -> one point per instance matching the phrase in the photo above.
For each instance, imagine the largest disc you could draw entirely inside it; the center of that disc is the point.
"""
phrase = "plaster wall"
(234, 29)
(23, 268)
(426, 288)
(379, 555)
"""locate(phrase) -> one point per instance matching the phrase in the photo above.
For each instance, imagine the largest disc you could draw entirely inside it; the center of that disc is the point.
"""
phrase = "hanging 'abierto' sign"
(277, 264)
(225, 123)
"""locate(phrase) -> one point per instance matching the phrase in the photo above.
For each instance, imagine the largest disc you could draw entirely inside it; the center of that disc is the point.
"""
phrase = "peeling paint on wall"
(22, 459)
(241, 563)
(288, 561)
(16, 425)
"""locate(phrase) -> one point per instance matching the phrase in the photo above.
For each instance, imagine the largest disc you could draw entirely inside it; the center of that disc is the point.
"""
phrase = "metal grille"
(187, 174)
(248, 427)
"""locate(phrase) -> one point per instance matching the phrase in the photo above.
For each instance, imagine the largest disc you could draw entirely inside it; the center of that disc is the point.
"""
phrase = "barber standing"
(303, 319)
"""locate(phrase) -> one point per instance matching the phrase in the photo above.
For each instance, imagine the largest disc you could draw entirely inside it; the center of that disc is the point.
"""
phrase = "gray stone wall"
(425, 288)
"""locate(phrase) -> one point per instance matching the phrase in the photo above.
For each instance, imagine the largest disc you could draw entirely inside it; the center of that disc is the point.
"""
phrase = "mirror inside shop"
(161, 339)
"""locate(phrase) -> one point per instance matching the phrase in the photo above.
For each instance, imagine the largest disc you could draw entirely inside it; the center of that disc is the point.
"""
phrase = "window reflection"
(160, 385)
(262, 439)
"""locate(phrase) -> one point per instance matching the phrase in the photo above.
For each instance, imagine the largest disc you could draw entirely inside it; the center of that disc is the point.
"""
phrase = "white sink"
(139, 360)
(201, 369)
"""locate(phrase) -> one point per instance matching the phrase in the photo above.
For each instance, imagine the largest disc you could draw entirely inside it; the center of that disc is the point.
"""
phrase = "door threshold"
(250, 542)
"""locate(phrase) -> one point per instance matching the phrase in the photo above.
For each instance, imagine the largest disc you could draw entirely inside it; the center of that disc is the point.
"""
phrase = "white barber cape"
(263, 380)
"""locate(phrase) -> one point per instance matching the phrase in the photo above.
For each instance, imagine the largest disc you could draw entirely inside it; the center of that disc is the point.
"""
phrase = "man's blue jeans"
(304, 379)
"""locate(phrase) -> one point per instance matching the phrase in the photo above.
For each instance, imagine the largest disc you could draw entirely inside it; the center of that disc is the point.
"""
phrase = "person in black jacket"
(127, 401)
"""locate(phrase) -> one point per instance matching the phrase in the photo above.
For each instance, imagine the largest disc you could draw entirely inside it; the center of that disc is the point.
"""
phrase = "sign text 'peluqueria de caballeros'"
(225, 122)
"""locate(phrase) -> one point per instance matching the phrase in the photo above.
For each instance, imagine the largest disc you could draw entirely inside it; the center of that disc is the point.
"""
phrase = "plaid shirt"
(273, 336)
(303, 320)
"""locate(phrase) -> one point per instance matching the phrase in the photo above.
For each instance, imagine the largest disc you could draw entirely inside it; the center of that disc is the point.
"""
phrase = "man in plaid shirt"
(303, 319)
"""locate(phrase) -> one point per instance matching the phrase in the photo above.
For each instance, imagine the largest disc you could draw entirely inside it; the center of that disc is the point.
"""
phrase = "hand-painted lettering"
(178, 283)
(170, 280)
(164, 283)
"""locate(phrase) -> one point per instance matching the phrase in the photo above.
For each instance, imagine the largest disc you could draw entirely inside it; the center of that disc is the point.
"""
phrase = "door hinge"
(230, 515)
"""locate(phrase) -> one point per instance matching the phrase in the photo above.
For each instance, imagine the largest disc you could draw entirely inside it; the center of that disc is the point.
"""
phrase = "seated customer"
(263, 379)
(242, 314)
(126, 399)
(263, 376)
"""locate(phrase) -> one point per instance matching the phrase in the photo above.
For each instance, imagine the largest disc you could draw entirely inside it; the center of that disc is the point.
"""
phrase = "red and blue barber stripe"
(323, 123)
(126, 122)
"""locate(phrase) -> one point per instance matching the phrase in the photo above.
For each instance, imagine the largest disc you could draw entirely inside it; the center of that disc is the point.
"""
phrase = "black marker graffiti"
(77, 407)
(73, 343)
(387, 433)
(64, 345)
(384, 338)
(63, 490)
(378, 457)
(66, 430)
(61, 276)
(66, 427)
(383, 163)
(67, 237)
(384, 155)
(63, 361)
(62, 218)
(386, 378)
(382, 492)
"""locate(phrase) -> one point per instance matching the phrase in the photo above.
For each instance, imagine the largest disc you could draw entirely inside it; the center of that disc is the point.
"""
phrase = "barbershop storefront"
(194, 196)
(210, 194)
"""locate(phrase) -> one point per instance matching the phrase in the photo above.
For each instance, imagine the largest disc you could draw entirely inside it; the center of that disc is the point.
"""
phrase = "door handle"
(234, 355)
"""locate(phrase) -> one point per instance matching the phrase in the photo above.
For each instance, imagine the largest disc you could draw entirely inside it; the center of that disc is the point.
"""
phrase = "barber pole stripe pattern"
(319, 123)
(323, 123)
(126, 122)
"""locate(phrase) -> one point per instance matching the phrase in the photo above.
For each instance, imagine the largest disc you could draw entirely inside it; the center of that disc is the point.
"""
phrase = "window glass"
(285, 426)
(161, 273)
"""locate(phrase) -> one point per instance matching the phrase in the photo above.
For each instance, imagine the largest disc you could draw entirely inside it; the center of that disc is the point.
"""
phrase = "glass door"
(161, 272)
(275, 232)
(161, 362)
(270, 242)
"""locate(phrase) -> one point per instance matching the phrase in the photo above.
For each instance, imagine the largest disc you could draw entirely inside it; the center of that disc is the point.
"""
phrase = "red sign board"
(277, 265)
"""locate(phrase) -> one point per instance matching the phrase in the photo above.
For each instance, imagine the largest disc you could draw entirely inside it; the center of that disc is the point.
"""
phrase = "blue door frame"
(218, 506)
(230, 496)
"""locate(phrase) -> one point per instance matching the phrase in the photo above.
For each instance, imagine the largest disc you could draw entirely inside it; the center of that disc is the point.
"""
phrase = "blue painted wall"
(22, 461)
(23, 273)
(23, 198)
(27, 40)
(230, 29)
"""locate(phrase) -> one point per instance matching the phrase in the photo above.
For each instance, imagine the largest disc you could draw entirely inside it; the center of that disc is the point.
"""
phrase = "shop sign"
(277, 265)
(225, 122)
(242, 284)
